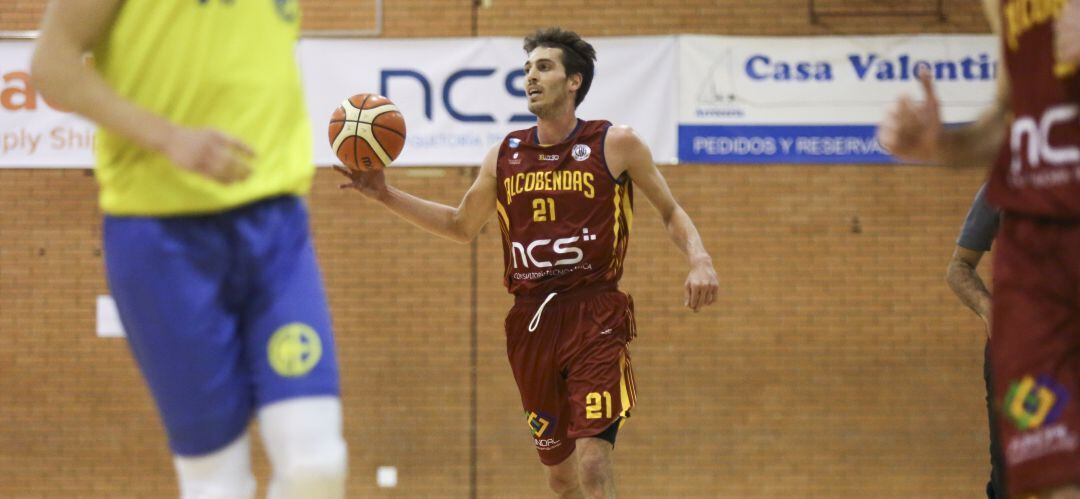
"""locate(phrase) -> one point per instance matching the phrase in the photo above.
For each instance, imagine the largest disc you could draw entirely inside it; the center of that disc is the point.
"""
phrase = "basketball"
(367, 132)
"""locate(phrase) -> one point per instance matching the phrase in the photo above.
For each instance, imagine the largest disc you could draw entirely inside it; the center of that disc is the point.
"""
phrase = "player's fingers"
(886, 134)
(241, 147)
(905, 108)
(230, 171)
(241, 167)
(891, 115)
(686, 294)
(926, 78)
(695, 297)
(344, 171)
(710, 296)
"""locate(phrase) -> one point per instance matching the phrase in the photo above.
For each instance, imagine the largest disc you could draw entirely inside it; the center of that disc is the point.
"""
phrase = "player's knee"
(224, 474)
(319, 473)
(217, 490)
(594, 468)
(562, 484)
(308, 454)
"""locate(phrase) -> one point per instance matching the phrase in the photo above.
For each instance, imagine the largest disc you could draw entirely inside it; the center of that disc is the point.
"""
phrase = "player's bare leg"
(595, 468)
(564, 480)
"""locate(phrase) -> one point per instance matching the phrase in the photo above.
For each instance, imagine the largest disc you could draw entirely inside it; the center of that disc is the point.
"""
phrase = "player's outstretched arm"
(69, 30)
(626, 152)
(460, 224)
(966, 283)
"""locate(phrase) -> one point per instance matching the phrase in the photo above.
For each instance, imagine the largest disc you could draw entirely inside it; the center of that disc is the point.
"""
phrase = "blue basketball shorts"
(224, 313)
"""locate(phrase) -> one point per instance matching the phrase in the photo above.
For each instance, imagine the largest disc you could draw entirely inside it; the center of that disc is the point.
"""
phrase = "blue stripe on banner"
(780, 144)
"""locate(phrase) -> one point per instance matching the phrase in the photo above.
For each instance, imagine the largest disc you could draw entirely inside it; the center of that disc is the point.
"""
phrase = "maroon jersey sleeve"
(1038, 169)
(565, 220)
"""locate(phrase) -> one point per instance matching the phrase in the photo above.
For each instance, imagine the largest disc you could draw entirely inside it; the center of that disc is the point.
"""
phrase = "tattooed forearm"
(969, 287)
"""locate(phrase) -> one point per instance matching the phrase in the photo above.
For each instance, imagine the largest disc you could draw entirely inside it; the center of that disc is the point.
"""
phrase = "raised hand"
(911, 131)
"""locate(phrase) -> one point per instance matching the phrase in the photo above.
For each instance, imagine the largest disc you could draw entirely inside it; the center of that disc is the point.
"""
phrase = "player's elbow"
(41, 72)
(956, 272)
(459, 233)
(461, 237)
(47, 72)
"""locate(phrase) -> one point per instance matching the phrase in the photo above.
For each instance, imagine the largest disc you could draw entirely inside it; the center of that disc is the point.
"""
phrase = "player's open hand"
(911, 131)
(371, 183)
(702, 286)
(1067, 34)
(210, 153)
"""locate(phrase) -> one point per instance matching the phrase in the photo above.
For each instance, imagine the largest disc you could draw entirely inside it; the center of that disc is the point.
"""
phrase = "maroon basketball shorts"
(571, 362)
(1035, 352)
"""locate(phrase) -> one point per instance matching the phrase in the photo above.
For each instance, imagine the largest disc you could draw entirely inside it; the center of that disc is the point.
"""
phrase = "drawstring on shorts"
(535, 322)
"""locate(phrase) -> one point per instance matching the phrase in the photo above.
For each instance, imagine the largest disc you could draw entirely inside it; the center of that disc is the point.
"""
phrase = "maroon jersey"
(1038, 169)
(565, 220)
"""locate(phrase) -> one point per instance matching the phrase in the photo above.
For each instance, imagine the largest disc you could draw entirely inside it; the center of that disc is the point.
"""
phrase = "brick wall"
(835, 364)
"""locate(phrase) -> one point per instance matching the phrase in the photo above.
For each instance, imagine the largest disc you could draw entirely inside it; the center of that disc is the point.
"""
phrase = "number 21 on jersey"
(543, 210)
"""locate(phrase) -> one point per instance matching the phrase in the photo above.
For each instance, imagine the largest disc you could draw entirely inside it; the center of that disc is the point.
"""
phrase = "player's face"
(546, 84)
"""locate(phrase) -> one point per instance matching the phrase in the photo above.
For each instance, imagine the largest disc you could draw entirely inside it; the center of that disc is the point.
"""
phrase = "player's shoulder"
(622, 137)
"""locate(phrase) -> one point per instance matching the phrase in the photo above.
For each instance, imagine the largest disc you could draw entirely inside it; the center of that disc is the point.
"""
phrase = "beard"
(547, 109)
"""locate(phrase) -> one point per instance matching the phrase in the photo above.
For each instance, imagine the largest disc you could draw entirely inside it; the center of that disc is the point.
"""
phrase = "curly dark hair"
(578, 56)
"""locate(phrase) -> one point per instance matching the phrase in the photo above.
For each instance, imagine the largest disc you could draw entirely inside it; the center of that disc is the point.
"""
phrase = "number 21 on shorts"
(598, 405)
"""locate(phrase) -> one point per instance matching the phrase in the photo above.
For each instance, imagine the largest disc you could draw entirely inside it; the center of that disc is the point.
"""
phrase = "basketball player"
(975, 238)
(563, 192)
(203, 152)
(1032, 135)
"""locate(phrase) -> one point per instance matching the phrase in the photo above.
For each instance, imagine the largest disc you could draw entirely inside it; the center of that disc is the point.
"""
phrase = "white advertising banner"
(459, 97)
(817, 99)
(32, 132)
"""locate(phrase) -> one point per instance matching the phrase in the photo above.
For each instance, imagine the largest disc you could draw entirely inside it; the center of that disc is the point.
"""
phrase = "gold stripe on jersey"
(619, 192)
(503, 217)
(625, 397)
(628, 212)
(624, 217)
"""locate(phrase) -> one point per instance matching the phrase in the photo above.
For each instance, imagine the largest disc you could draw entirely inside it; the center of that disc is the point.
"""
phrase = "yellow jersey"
(229, 65)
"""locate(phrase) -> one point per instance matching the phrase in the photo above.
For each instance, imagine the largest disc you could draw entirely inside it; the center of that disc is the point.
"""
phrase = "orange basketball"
(367, 132)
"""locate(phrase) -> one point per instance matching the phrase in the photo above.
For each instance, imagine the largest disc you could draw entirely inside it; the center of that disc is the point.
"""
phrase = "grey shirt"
(981, 224)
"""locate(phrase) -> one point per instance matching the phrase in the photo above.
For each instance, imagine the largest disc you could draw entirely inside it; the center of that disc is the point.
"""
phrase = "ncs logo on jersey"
(581, 152)
(1032, 403)
(513, 142)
